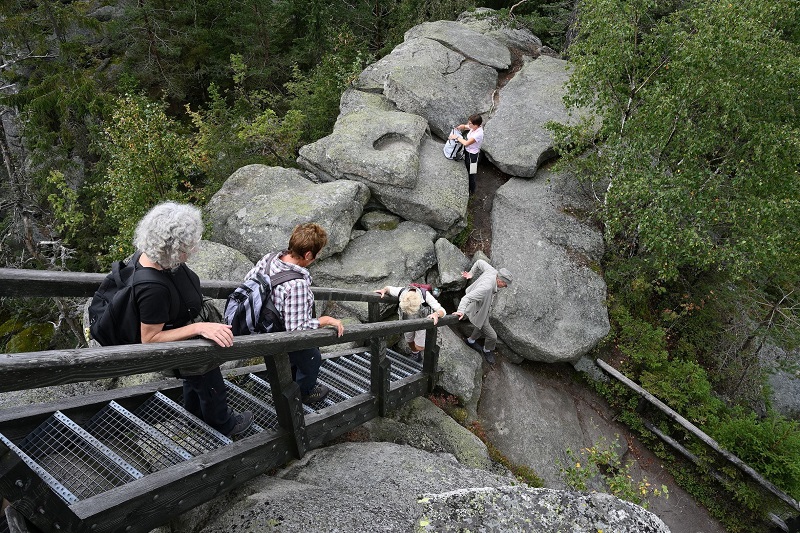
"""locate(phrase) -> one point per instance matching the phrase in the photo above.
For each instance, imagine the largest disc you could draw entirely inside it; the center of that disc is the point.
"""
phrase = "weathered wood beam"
(694, 430)
(51, 283)
(143, 504)
(57, 367)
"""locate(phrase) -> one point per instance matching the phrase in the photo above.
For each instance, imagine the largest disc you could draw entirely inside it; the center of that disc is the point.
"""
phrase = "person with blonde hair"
(166, 237)
(415, 302)
(294, 302)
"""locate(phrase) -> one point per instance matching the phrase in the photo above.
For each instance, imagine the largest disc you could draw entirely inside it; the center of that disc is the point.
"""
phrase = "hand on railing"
(330, 321)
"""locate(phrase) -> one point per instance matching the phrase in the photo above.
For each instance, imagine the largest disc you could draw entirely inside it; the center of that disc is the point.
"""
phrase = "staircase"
(103, 453)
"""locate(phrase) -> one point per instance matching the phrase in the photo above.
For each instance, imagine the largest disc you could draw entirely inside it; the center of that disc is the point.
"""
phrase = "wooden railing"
(150, 501)
(790, 504)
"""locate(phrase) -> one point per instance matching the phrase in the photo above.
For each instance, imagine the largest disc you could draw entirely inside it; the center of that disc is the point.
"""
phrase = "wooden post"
(286, 395)
(373, 312)
(16, 522)
(380, 373)
(430, 363)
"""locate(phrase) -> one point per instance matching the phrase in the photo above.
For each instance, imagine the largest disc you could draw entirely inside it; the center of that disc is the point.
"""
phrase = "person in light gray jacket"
(477, 302)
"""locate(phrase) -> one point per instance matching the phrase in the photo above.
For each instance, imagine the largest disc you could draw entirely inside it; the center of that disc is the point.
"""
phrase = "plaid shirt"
(293, 300)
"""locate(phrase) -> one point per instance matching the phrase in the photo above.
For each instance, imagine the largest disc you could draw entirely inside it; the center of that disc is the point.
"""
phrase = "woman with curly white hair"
(415, 302)
(167, 236)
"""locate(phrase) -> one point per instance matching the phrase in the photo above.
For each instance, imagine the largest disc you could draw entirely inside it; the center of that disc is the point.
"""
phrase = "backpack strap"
(283, 276)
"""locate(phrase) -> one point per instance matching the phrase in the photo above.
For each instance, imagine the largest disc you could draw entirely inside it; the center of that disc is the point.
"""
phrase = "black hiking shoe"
(242, 422)
(317, 394)
(475, 346)
(489, 356)
(416, 356)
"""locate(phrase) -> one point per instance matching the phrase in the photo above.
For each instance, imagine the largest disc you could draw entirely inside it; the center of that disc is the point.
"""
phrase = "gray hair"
(169, 233)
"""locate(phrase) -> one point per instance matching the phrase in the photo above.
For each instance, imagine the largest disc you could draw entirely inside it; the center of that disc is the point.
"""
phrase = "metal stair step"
(185, 429)
(337, 376)
(264, 415)
(404, 364)
(147, 449)
(261, 389)
(71, 461)
(356, 373)
(363, 359)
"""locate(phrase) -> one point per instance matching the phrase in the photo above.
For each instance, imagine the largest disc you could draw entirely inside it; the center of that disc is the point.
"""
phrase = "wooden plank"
(694, 430)
(17, 523)
(53, 283)
(57, 367)
(150, 501)
(338, 419)
(430, 363)
(286, 397)
(380, 374)
(405, 390)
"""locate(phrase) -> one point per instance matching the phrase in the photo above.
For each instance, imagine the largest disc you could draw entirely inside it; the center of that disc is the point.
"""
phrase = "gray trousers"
(487, 331)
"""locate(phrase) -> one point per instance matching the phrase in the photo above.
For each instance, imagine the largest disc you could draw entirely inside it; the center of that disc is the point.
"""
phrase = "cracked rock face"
(555, 311)
(426, 78)
(516, 140)
(369, 487)
(521, 508)
(473, 45)
(257, 208)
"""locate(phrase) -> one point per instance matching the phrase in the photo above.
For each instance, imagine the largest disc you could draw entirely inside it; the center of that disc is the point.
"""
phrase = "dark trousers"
(204, 397)
(470, 158)
(305, 368)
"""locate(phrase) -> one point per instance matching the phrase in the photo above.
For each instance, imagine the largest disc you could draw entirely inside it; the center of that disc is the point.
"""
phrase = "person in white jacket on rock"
(415, 303)
(477, 302)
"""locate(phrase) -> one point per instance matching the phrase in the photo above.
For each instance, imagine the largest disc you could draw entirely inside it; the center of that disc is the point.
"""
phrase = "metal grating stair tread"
(147, 449)
(80, 464)
(239, 399)
(185, 429)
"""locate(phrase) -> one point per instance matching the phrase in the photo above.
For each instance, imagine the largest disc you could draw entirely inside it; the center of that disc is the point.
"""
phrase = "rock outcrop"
(257, 208)
(555, 310)
(367, 487)
(516, 140)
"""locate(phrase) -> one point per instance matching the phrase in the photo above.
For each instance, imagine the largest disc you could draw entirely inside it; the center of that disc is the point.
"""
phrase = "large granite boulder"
(257, 208)
(369, 145)
(521, 508)
(487, 21)
(424, 77)
(378, 258)
(462, 370)
(217, 261)
(425, 187)
(515, 138)
(368, 487)
(355, 100)
(452, 262)
(459, 37)
(421, 424)
(556, 308)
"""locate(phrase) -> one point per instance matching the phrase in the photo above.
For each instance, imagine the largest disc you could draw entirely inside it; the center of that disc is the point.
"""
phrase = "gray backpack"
(250, 309)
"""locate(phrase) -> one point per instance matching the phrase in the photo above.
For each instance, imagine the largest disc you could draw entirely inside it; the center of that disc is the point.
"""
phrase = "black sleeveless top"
(175, 303)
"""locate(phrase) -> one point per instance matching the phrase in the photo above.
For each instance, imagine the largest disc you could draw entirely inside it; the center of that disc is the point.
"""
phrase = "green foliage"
(31, 339)
(149, 162)
(317, 93)
(65, 205)
(770, 445)
(700, 132)
(601, 463)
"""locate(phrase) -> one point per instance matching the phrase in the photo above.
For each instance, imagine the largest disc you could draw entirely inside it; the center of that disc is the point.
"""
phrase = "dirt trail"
(489, 179)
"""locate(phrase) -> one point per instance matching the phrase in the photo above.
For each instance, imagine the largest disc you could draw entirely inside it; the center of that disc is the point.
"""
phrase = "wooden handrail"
(52, 283)
(703, 437)
(57, 367)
